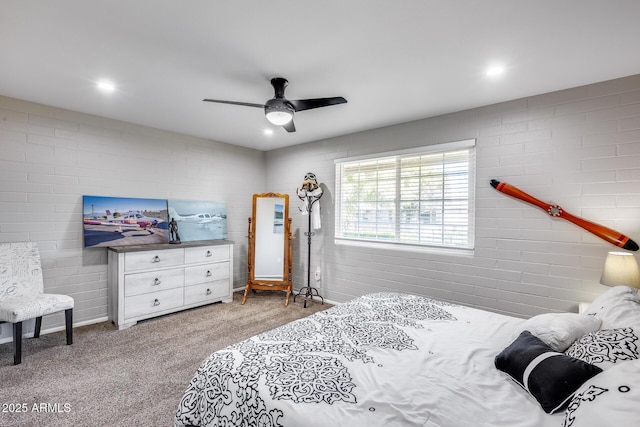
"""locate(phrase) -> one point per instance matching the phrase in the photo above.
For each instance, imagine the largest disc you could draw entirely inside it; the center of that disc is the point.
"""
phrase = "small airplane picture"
(199, 218)
(121, 221)
(128, 220)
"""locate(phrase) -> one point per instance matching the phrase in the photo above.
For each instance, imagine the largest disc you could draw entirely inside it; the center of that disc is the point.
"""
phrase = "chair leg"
(36, 331)
(17, 343)
(68, 316)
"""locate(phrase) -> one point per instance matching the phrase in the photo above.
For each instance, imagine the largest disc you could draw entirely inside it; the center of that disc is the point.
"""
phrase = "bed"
(391, 359)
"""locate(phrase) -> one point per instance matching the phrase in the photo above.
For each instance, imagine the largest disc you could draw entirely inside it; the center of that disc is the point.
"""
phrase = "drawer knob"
(209, 253)
(156, 281)
(208, 273)
(156, 302)
(156, 258)
(208, 291)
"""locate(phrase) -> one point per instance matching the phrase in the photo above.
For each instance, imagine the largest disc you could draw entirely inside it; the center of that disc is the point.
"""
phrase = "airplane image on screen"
(199, 218)
(127, 220)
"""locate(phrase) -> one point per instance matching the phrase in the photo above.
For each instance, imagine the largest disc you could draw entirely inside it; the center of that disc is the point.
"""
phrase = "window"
(421, 196)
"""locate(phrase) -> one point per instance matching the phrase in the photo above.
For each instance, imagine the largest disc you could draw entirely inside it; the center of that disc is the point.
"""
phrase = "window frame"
(398, 155)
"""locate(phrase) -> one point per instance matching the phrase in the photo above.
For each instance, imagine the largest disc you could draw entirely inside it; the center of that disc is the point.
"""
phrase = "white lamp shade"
(621, 269)
(279, 117)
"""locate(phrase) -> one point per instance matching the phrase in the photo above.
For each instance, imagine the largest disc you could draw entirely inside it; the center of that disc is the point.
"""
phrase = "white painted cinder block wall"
(50, 157)
(579, 148)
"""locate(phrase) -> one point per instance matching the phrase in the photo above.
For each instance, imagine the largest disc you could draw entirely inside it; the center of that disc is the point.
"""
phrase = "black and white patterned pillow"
(608, 399)
(606, 347)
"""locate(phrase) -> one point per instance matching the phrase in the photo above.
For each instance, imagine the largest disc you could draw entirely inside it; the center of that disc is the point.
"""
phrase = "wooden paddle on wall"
(607, 234)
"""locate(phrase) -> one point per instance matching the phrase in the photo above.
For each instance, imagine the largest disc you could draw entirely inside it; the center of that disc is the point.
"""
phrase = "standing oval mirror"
(269, 251)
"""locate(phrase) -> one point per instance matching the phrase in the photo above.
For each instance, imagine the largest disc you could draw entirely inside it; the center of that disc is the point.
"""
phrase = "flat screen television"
(124, 221)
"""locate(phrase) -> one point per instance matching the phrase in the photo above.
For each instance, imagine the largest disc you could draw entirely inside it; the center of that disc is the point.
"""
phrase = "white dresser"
(151, 280)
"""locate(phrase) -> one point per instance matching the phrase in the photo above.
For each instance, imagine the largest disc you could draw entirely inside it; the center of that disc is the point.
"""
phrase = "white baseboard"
(328, 301)
(56, 329)
(295, 292)
(100, 320)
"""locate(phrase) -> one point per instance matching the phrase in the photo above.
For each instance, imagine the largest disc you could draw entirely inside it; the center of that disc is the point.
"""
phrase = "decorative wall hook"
(607, 234)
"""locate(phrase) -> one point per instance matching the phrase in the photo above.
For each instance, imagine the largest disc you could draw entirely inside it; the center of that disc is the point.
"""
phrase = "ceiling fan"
(279, 110)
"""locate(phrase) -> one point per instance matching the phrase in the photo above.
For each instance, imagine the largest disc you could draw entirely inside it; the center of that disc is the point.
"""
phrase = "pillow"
(550, 377)
(609, 399)
(606, 347)
(560, 330)
(618, 307)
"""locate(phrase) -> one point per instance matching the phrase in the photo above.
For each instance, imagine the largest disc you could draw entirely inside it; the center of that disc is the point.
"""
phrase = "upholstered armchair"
(22, 294)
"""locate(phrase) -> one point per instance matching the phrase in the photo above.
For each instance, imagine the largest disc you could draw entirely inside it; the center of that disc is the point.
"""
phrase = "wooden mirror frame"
(286, 283)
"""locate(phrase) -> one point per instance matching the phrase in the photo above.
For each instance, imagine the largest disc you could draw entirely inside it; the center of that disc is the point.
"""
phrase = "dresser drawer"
(152, 281)
(206, 273)
(206, 254)
(136, 261)
(206, 291)
(142, 305)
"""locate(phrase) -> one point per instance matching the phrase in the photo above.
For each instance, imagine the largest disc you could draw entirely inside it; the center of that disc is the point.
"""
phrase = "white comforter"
(380, 360)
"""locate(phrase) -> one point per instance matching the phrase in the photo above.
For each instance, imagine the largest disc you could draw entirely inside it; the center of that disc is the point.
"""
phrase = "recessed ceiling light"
(106, 86)
(495, 71)
(268, 131)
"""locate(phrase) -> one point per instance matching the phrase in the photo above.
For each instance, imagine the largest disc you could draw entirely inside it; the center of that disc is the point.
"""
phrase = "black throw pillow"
(550, 377)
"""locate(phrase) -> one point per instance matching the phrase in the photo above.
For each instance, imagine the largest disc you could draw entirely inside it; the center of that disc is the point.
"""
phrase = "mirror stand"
(269, 251)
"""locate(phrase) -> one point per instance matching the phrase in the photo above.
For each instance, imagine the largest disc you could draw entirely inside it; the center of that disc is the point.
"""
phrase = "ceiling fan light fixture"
(279, 110)
(279, 117)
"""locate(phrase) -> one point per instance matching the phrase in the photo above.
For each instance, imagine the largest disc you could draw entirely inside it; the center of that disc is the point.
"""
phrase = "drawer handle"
(156, 281)
(208, 291)
(208, 273)
(209, 253)
(156, 258)
(156, 302)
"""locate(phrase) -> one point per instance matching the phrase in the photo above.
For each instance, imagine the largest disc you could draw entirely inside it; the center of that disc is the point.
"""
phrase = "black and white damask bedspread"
(383, 359)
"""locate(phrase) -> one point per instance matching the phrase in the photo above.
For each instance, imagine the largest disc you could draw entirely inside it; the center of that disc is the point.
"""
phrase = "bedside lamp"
(620, 268)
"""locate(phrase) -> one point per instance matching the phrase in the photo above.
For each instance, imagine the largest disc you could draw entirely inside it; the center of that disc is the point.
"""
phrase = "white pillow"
(618, 307)
(559, 330)
(611, 398)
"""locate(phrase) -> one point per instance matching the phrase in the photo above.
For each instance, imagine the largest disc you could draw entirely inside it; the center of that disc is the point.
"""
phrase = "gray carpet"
(133, 377)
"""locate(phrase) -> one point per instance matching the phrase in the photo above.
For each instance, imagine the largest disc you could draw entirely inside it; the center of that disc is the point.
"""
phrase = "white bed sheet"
(380, 360)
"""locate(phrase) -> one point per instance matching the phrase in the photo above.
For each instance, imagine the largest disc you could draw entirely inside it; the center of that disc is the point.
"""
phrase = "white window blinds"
(422, 196)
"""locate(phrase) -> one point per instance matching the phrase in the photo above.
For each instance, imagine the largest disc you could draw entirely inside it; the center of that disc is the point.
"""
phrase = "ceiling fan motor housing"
(279, 84)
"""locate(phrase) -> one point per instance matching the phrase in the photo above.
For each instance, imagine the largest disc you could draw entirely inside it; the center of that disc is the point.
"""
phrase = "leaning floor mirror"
(269, 252)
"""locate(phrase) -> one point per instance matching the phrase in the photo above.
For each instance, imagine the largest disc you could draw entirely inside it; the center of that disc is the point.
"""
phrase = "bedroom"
(578, 146)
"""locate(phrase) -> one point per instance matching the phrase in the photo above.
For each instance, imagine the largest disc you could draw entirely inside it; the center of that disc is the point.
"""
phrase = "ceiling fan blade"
(290, 127)
(246, 104)
(308, 104)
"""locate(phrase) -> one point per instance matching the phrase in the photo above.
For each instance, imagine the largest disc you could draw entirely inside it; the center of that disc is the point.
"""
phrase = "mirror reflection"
(269, 238)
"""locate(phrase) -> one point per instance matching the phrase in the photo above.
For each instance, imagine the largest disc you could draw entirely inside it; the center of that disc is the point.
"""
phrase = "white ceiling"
(394, 61)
